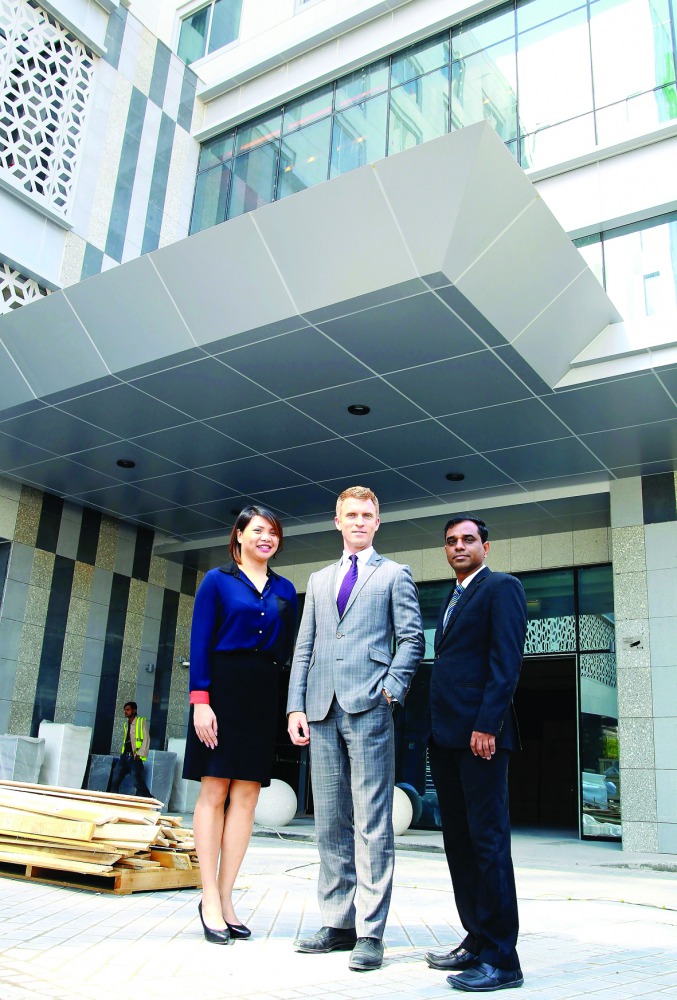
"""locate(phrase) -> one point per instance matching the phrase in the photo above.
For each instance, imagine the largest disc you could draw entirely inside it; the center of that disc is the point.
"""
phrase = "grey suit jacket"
(352, 657)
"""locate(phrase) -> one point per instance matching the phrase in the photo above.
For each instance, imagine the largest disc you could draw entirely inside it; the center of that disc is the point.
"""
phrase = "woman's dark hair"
(482, 529)
(243, 519)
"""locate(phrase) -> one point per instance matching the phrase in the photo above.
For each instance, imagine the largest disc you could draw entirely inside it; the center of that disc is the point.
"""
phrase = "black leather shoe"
(458, 958)
(238, 931)
(483, 978)
(367, 954)
(214, 936)
(327, 939)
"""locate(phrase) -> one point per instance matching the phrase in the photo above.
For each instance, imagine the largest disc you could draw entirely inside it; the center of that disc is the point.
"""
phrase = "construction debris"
(92, 840)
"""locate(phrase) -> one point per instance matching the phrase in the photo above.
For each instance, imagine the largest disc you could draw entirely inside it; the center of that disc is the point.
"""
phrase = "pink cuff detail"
(199, 697)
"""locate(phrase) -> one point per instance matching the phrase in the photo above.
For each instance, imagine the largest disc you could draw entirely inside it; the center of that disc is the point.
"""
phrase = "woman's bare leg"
(208, 827)
(237, 831)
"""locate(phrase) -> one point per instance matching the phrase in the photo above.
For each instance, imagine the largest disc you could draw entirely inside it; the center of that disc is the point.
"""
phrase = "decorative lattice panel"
(45, 80)
(600, 667)
(16, 289)
(551, 635)
(595, 632)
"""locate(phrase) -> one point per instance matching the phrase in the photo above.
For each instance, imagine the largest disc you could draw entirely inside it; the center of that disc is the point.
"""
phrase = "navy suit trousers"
(473, 800)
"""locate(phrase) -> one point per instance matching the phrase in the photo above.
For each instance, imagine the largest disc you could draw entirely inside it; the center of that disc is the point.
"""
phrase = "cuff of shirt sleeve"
(199, 697)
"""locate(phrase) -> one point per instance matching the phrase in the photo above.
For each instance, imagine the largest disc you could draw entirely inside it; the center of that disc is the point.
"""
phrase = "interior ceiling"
(433, 287)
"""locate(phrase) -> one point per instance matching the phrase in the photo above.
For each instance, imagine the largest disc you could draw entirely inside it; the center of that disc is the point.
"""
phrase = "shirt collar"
(234, 570)
(363, 557)
(469, 579)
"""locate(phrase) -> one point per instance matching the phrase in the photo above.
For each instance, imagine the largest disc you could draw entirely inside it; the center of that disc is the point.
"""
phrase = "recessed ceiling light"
(126, 463)
(455, 477)
(359, 409)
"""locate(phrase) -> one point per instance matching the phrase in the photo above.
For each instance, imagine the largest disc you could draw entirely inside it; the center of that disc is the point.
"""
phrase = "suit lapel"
(365, 575)
(331, 592)
(463, 601)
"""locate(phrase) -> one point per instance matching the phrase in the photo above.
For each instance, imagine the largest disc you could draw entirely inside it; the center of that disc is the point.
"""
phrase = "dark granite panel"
(50, 522)
(89, 535)
(52, 647)
(658, 498)
(143, 550)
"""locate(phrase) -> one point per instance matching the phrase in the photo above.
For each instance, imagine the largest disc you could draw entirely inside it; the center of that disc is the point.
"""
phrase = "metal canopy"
(434, 287)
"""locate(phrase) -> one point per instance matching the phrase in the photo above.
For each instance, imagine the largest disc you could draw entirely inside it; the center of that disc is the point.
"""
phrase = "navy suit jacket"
(477, 663)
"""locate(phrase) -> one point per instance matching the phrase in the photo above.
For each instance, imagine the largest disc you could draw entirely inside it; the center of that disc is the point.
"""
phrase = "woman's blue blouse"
(230, 615)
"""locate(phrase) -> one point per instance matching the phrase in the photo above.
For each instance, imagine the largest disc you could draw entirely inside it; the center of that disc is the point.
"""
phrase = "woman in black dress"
(242, 633)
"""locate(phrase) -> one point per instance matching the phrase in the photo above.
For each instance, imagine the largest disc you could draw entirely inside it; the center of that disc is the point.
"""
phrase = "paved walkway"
(595, 922)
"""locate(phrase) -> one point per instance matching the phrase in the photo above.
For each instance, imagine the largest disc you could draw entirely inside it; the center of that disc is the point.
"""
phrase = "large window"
(209, 28)
(555, 78)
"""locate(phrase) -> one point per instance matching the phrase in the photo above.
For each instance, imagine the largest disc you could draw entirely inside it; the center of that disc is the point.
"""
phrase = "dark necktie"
(458, 591)
(347, 584)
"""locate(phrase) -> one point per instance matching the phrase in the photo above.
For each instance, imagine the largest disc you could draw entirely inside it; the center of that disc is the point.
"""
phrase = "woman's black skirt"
(244, 697)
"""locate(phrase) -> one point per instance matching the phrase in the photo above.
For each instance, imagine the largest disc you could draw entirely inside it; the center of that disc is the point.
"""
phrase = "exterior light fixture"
(455, 477)
(359, 409)
(150, 667)
(126, 463)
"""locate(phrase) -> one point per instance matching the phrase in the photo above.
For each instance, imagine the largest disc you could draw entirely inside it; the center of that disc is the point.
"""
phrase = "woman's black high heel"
(238, 931)
(214, 936)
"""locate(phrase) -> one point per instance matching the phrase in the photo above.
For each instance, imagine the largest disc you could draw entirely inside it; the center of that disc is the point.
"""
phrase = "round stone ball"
(277, 805)
(415, 800)
(402, 812)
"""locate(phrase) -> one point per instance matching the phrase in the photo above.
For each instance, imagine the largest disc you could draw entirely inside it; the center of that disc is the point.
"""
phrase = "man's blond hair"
(356, 493)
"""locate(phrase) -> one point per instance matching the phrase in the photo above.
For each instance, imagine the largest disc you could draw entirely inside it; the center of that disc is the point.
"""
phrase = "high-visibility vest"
(138, 734)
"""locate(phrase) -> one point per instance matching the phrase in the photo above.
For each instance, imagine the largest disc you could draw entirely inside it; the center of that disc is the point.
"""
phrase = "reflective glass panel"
(551, 626)
(216, 151)
(590, 248)
(225, 23)
(359, 135)
(631, 47)
(558, 142)
(482, 32)
(483, 88)
(530, 15)
(304, 158)
(419, 111)
(362, 84)
(308, 108)
(550, 91)
(261, 130)
(430, 597)
(419, 59)
(641, 269)
(253, 182)
(193, 36)
(211, 198)
(598, 746)
(636, 115)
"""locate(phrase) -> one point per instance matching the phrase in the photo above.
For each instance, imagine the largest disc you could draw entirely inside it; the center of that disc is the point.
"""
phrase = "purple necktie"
(347, 585)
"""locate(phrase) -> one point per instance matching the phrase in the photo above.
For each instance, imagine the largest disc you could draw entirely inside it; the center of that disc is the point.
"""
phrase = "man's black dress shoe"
(327, 939)
(483, 978)
(458, 958)
(219, 935)
(238, 931)
(367, 954)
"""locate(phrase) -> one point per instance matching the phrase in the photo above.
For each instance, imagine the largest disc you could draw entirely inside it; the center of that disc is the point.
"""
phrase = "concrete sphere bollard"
(402, 812)
(277, 804)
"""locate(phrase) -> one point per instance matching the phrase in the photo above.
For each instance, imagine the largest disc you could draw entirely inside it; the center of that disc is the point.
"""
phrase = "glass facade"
(567, 706)
(555, 78)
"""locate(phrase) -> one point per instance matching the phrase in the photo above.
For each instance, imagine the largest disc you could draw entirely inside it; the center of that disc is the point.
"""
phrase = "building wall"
(86, 608)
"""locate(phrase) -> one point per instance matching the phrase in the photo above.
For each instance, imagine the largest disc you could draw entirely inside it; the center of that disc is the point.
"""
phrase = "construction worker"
(135, 743)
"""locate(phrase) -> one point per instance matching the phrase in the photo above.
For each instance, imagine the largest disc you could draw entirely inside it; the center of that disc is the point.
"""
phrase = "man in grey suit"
(344, 680)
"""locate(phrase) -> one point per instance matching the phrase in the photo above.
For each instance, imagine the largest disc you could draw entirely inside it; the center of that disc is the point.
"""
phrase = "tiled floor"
(589, 928)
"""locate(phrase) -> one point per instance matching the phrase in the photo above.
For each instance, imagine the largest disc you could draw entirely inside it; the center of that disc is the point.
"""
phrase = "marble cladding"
(626, 502)
(636, 657)
(628, 549)
(106, 552)
(638, 794)
(630, 595)
(640, 837)
(636, 741)
(635, 694)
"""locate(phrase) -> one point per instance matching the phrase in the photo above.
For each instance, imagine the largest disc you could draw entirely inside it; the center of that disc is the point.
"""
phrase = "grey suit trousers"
(353, 770)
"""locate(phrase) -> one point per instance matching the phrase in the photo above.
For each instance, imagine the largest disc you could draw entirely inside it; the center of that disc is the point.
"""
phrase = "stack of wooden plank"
(92, 840)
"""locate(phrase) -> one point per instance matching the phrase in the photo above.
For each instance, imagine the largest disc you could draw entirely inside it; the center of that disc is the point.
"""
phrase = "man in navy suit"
(479, 645)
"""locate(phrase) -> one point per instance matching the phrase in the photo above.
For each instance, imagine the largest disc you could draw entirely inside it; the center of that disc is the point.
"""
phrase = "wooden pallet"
(121, 882)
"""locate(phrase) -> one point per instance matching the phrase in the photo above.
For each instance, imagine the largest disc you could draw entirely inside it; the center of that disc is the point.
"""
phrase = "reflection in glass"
(420, 58)
(590, 248)
(304, 158)
(359, 135)
(483, 88)
(641, 269)
(481, 33)
(551, 625)
(211, 198)
(535, 12)
(631, 47)
(419, 111)
(636, 115)
(193, 36)
(362, 84)
(253, 182)
(260, 130)
(549, 91)
(558, 143)
(308, 108)
(225, 23)
(216, 151)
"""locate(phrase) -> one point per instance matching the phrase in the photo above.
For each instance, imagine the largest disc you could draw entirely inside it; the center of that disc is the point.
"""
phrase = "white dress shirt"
(363, 558)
